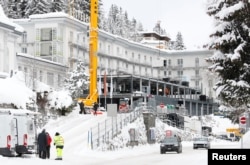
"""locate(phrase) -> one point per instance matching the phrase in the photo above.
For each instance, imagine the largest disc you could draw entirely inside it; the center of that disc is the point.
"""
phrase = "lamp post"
(201, 117)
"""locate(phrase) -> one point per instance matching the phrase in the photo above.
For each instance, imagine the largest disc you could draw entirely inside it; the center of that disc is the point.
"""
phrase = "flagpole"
(99, 88)
(111, 87)
(105, 88)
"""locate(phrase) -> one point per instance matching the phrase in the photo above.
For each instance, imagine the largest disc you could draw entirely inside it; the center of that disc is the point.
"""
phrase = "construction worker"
(95, 107)
(59, 143)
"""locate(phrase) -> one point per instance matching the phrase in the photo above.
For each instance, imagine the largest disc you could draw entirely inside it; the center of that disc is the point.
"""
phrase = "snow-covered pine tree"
(4, 4)
(112, 19)
(12, 9)
(179, 44)
(58, 6)
(158, 29)
(231, 42)
(78, 81)
(37, 7)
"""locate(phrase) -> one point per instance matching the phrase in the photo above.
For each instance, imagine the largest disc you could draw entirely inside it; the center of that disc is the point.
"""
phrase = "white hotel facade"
(52, 44)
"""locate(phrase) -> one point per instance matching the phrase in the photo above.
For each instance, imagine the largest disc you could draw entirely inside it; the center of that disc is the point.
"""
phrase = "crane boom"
(93, 60)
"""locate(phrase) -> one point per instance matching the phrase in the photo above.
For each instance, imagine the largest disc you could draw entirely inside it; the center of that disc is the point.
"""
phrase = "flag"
(105, 84)
(99, 85)
(111, 86)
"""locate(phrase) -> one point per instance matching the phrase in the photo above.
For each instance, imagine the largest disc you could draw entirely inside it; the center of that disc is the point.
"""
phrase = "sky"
(74, 128)
(188, 17)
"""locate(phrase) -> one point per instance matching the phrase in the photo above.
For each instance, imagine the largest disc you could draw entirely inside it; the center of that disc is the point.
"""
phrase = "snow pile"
(14, 91)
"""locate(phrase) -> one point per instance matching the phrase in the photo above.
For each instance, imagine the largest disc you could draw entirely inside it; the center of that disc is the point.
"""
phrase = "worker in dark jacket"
(82, 108)
(42, 143)
(95, 107)
(59, 143)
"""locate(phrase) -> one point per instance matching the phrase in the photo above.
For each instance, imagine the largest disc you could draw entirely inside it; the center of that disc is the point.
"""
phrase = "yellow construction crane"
(93, 60)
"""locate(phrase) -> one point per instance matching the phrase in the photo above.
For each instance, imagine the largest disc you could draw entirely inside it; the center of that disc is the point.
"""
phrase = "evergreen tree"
(78, 81)
(58, 6)
(11, 8)
(179, 45)
(37, 7)
(231, 42)
(22, 7)
(112, 19)
(4, 4)
(158, 29)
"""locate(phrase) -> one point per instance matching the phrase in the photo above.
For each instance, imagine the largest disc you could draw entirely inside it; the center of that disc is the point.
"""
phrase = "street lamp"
(201, 117)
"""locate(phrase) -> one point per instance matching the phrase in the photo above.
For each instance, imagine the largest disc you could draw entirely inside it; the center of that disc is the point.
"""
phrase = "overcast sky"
(187, 16)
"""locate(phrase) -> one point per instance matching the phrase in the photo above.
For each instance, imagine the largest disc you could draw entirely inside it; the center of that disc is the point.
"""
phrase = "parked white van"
(17, 132)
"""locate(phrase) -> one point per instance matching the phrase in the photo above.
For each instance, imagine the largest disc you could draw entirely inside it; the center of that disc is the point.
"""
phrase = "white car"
(201, 142)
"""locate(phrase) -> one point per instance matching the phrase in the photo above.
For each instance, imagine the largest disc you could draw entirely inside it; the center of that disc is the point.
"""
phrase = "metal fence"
(105, 131)
(110, 128)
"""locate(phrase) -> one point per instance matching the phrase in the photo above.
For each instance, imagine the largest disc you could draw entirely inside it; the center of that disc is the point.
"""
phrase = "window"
(46, 49)
(164, 63)
(197, 72)
(169, 73)
(71, 36)
(117, 50)
(109, 49)
(34, 74)
(24, 50)
(46, 34)
(180, 72)
(24, 37)
(197, 83)
(37, 34)
(179, 62)
(41, 76)
(196, 61)
(25, 70)
(59, 80)
(71, 54)
(54, 48)
(50, 79)
(169, 62)
(54, 33)
(26, 74)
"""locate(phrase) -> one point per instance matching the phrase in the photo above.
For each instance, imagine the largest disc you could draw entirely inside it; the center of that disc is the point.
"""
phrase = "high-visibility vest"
(58, 140)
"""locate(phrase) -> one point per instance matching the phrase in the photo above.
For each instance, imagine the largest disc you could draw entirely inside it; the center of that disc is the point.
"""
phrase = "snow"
(4, 19)
(13, 90)
(74, 128)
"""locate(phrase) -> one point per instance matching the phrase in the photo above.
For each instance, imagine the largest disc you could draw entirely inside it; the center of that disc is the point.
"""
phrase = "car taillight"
(25, 139)
(8, 141)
